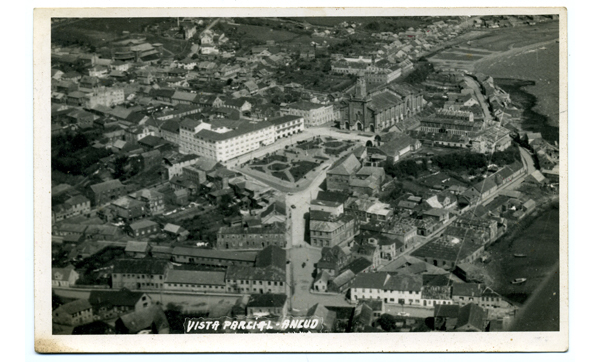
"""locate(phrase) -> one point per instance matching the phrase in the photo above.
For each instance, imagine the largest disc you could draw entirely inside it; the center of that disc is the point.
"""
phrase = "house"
(137, 274)
(107, 191)
(137, 249)
(362, 317)
(471, 318)
(391, 288)
(73, 313)
(321, 281)
(76, 205)
(261, 305)
(161, 252)
(342, 282)
(326, 316)
(240, 237)
(448, 251)
(64, 277)
(95, 328)
(445, 317)
(437, 289)
(113, 303)
(466, 293)
(398, 147)
(176, 231)
(144, 227)
(332, 260)
(330, 231)
(125, 208)
(150, 319)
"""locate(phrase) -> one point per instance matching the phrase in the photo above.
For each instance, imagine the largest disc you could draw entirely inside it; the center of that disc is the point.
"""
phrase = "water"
(532, 121)
(540, 243)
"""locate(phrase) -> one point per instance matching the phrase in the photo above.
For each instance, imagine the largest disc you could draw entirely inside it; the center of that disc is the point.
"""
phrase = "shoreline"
(532, 119)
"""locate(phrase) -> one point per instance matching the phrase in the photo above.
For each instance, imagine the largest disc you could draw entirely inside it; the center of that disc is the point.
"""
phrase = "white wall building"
(391, 289)
(287, 125)
(314, 114)
(223, 139)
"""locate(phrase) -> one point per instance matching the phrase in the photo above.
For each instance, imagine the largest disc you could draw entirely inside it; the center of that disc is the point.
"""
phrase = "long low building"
(192, 255)
(392, 289)
(448, 251)
(239, 237)
(195, 281)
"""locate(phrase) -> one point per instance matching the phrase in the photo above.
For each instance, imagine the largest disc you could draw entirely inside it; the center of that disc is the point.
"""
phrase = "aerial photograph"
(305, 174)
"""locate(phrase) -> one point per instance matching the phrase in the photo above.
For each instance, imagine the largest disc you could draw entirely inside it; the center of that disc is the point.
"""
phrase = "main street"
(473, 84)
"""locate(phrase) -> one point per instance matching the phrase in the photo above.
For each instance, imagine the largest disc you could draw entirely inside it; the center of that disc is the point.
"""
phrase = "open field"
(457, 56)
(508, 38)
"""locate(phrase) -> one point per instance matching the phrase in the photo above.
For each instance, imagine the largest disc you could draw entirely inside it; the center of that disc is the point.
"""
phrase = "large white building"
(314, 114)
(224, 139)
(107, 97)
(391, 289)
(287, 125)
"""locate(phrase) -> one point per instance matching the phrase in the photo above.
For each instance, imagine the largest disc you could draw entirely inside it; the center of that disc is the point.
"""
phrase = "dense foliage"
(405, 168)
(420, 73)
(72, 153)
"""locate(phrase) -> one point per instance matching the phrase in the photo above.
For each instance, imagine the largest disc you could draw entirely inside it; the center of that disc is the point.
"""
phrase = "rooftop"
(196, 277)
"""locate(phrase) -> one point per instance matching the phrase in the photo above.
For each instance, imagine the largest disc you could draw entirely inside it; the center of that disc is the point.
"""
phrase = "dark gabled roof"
(107, 185)
(443, 249)
(214, 254)
(75, 306)
(446, 310)
(123, 297)
(196, 277)
(140, 266)
(142, 224)
(271, 256)
(144, 319)
(267, 300)
(284, 119)
(170, 126)
(151, 141)
(467, 290)
(404, 282)
(358, 265)
(436, 280)
(472, 315)
(270, 273)
(332, 196)
(346, 166)
(370, 280)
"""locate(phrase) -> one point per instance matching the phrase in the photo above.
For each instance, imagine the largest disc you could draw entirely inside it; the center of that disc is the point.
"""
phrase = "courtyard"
(296, 162)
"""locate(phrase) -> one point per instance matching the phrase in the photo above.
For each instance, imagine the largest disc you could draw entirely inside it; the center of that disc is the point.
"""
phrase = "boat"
(518, 281)
(519, 255)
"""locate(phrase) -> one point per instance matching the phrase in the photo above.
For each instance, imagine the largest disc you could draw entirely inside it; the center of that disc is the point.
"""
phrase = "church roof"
(384, 100)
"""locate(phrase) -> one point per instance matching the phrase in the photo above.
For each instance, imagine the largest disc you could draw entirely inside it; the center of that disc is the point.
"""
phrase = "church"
(382, 108)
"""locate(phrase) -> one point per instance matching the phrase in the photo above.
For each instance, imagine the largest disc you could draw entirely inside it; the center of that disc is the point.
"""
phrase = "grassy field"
(507, 38)
(406, 21)
(457, 56)
(98, 31)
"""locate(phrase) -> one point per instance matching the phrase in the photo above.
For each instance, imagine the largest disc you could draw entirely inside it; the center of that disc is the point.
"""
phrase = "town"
(358, 172)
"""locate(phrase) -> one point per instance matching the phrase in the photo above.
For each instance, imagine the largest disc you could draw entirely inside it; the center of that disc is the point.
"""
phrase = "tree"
(387, 322)
(121, 166)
